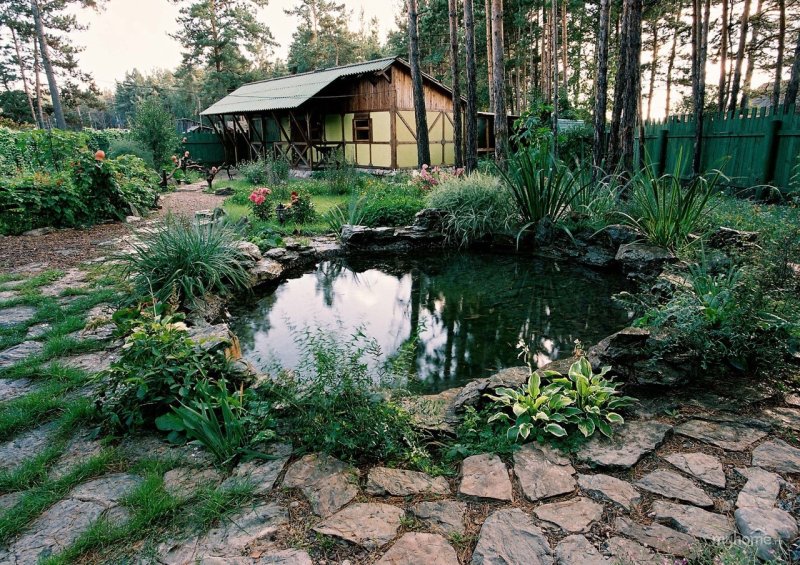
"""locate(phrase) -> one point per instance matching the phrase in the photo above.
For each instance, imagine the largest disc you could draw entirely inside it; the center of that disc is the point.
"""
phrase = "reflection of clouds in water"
(469, 311)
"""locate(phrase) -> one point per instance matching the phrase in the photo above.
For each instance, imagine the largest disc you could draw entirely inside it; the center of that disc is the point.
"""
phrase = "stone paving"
(662, 486)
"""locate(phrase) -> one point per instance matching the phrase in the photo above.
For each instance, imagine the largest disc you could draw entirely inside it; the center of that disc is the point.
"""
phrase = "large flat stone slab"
(672, 485)
(398, 482)
(10, 317)
(784, 417)
(630, 443)
(416, 547)
(702, 466)
(577, 550)
(94, 362)
(442, 516)
(629, 552)
(14, 388)
(575, 515)
(726, 435)
(24, 446)
(761, 489)
(368, 525)
(19, 352)
(64, 522)
(691, 520)
(259, 474)
(485, 476)
(542, 472)
(510, 536)
(766, 528)
(327, 483)
(611, 489)
(777, 455)
(184, 482)
(660, 538)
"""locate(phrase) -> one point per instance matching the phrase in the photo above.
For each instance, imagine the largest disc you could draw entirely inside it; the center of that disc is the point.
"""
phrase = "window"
(362, 129)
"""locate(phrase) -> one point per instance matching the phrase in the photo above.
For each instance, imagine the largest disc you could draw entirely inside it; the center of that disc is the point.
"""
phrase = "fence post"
(663, 138)
(771, 152)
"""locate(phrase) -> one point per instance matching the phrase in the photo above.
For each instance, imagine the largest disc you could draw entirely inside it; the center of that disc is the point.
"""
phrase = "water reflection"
(468, 311)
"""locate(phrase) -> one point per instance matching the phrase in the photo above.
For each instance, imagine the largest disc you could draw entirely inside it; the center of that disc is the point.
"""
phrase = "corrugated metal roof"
(289, 91)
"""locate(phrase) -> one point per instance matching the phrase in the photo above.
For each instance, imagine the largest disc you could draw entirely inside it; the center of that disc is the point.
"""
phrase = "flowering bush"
(259, 202)
(302, 208)
(426, 178)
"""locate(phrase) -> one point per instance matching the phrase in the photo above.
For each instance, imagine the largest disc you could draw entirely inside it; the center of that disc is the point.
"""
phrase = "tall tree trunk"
(471, 117)
(38, 83)
(556, 85)
(601, 87)
(671, 64)
(498, 51)
(737, 73)
(55, 96)
(489, 54)
(423, 145)
(628, 84)
(653, 67)
(776, 87)
(22, 73)
(751, 56)
(794, 80)
(564, 50)
(723, 58)
(700, 43)
(458, 138)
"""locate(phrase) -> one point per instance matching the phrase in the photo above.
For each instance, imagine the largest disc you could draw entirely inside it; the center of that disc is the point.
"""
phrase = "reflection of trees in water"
(326, 274)
(480, 308)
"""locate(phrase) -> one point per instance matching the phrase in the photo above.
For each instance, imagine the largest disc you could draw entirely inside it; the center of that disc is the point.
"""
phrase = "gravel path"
(67, 248)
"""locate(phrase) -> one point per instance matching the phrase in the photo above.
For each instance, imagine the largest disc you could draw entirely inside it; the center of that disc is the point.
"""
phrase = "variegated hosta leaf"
(555, 430)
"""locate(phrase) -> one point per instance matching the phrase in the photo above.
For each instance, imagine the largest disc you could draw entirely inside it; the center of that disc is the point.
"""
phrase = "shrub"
(475, 206)
(429, 177)
(184, 261)
(154, 127)
(584, 401)
(302, 208)
(159, 368)
(341, 175)
(267, 171)
(542, 188)
(260, 203)
(389, 204)
(116, 187)
(664, 210)
(332, 404)
(36, 200)
(121, 147)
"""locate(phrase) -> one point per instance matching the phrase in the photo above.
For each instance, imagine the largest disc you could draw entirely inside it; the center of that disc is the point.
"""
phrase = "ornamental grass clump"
(552, 405)
(667, 210)
(181, 261)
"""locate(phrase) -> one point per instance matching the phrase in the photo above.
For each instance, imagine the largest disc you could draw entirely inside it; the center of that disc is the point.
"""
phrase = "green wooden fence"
(204, 147)
(756, 147)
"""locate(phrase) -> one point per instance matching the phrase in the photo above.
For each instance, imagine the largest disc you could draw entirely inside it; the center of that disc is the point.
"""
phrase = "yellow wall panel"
(448, 127)
(449, 154)
(407, 156)
(436, 154)
(350, 152)
(403, 133)
(348, 127)
(381, 126)
(333, 127)
(362, 154)
(381, 155)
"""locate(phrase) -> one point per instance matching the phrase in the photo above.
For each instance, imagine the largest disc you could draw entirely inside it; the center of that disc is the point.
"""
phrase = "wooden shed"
(364, 110)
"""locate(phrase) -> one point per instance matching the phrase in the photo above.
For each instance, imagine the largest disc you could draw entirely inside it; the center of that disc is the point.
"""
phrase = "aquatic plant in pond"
(459, 316)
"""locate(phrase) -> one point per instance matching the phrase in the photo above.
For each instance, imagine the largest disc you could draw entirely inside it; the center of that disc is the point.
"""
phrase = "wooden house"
(364, 110)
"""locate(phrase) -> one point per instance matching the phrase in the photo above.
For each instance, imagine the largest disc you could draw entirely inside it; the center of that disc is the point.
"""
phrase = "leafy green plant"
(133, 147)
(159, 368)
(554, 405)
(663, 209)
(216, 419)
(341, 175)
(333, 403)
(154, 127)
(184, 261)
(350, 213)
(475, 207)
(542, 187)
(302, 209)
(389, 204)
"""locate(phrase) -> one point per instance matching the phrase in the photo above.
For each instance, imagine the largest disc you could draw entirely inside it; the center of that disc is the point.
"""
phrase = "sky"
(130, 34)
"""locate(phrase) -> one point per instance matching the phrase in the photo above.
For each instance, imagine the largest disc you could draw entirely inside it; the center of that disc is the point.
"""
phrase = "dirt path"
(66, 248)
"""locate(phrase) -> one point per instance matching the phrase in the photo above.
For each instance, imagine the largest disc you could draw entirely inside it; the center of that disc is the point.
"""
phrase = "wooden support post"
(771, 152)
(663, 138)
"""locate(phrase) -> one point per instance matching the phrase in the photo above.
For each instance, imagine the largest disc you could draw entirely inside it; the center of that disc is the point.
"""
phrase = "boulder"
(474, 391)
(644, 258)
(429, 219)
(617, 234)
(265, 271)
(249, 250)
(729, 237)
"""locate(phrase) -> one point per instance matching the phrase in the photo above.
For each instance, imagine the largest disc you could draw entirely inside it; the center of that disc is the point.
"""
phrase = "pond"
(460, 314)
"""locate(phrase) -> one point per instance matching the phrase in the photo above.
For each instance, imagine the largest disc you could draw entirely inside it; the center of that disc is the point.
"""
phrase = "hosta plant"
(551, 404)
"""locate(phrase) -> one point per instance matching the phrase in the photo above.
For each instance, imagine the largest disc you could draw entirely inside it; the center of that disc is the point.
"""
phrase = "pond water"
(468, 312)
